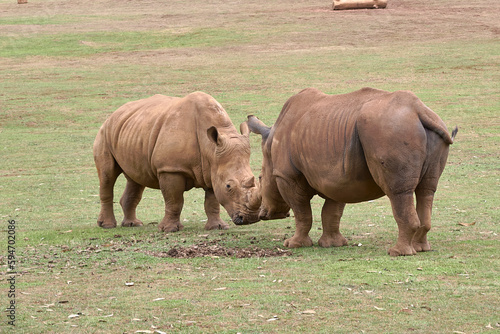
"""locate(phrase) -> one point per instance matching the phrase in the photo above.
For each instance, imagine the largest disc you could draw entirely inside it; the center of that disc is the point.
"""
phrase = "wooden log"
(357, 4)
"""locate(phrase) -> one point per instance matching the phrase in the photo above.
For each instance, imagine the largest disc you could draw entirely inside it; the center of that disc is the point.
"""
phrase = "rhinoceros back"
(316, 135)
(321, 127)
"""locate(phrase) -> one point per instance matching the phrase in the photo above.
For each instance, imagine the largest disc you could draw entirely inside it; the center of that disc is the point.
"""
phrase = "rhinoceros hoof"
(217, 225)
(106, 223)
(167, 228)
(131, 223)
(422, 247)
(401, 251)
(296, 242)
(332, 241)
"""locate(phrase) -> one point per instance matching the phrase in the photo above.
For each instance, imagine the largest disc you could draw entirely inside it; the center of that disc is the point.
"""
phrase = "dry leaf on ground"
(467, 224)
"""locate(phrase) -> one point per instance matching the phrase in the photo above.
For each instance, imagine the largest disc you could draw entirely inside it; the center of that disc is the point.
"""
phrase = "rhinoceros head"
(273, 205)
(232, 179)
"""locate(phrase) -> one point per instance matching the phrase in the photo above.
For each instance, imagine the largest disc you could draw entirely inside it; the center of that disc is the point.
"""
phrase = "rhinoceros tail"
(431, 121)
(454, 133)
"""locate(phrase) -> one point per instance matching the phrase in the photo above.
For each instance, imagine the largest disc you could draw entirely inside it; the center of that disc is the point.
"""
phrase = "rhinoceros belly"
(344, 178)
(347, 191)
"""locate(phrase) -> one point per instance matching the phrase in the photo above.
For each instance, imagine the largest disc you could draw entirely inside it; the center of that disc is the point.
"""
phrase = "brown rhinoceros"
(351, 148)
(175, 144)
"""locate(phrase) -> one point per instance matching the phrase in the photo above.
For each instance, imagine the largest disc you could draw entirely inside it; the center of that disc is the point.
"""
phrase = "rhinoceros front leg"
(108, 171)
(129, 201)
(172, 186)
(330, 218)
(303, 223)
(212, 209)
(300, 204)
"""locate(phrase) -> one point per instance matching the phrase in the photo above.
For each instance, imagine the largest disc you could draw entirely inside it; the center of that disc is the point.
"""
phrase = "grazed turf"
(65, 66)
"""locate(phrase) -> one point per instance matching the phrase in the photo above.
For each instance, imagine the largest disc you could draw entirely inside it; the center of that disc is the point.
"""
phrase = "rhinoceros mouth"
(241, 219)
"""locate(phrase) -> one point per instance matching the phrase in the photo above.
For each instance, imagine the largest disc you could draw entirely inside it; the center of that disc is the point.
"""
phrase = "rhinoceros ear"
(245, 131)
(255, 125)
(213, 134)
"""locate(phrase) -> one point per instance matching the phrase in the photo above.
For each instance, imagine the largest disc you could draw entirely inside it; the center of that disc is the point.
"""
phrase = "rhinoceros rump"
(351, 148)
(175, 144)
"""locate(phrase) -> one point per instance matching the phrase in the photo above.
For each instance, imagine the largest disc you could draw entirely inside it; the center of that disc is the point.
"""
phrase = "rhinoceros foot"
(400, 250)
(170, 227)
(216, 224)
(332, 241)
(422, 246)
(420, 242)
(106, 223)
(131, 222)
(298, 241)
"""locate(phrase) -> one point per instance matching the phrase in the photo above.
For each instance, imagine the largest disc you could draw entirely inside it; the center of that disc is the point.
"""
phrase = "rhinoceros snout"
(240, 219)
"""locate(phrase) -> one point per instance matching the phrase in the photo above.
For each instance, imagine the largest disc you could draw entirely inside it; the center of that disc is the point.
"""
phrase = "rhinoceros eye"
(230, 185)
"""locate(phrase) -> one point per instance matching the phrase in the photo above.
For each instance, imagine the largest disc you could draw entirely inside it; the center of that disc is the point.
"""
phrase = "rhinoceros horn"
(255, 125)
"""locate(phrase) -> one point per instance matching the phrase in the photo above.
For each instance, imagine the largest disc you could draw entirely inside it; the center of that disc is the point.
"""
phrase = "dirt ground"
(213, 249)
(403, 21)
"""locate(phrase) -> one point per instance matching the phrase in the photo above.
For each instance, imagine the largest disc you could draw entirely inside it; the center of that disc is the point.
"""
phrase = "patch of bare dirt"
(212, 249)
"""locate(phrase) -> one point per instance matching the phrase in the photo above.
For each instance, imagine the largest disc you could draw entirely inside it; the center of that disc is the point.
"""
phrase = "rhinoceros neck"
(206, 172)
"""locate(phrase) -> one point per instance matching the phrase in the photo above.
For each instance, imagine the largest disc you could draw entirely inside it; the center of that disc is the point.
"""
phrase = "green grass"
(67, 66)
(40, 20)
(90, 43)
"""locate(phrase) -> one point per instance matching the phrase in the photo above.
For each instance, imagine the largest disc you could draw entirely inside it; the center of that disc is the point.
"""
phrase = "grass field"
(66, 65)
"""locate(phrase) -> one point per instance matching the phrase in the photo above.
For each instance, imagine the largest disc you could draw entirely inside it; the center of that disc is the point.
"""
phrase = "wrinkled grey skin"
(351, 148)
(174, 144)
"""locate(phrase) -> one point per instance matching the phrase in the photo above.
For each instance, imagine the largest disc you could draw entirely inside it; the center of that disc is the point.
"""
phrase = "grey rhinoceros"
(175, 144)
(351, 148)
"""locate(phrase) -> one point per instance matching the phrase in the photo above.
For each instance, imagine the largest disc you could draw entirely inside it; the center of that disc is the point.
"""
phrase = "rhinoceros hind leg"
(425, 198)
(423, 245)
(330, 218)
(129, 201)
(212, 209)
(172, 186)
(408, 222)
